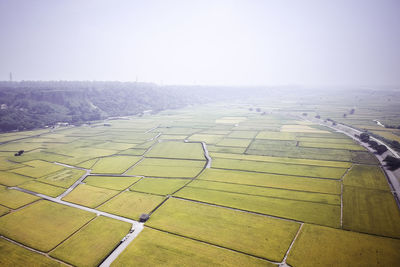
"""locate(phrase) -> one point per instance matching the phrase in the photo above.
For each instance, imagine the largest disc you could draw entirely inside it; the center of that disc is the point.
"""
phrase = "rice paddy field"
(220, 185)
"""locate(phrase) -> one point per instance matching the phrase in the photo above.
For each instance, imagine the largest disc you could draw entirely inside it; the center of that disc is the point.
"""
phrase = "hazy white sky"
(248, 42)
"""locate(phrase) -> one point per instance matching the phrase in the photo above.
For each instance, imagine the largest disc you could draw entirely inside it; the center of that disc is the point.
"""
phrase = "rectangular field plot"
(114, 146)
(114, 164)
(345, 140)
(207, 138)
(250, 233)
(234, 142)
(64, 178)
(172, 250)
(363, 157)
(6, 164)
(243, 134)
(366, 176)
(160, 186)
(133, 152)
(12, 179)
(131, 204)
(177, 150)
(92, 243)
(295, 128)
(89, 196)
(267, 192)
(111, 182)
(3, 210)
(318, 213)
(323, 246)
(43, 188)
(38, 168)
(353, 147)
(370, 211)
(15, 199)
(276, 135)
(278, 168)
(14, 255)
(167, 168)
(272, 180)
(44, 224)
(226, 149)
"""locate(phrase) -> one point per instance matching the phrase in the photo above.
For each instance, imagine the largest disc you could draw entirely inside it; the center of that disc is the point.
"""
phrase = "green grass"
(38, 168)
(234, 142)
(114, 164)
(64, 178)
(159, 186)
(12, 179)
(332, 145)
(278, 168)
(167, 168)
(14, 255)
(15, 199)
(366, 176)
(370, 211)
(311, 212)
(89, 196)
(272, 180)
(157, 248)
(3, 210)
(323, 246)
(92, 243)
(43, 225)
(253, 234)
(131, 204)
(43, 188)
(111, 182)
(177, 150)
(363, 157)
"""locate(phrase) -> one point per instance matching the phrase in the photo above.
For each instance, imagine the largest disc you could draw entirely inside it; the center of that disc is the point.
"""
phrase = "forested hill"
(29, 105)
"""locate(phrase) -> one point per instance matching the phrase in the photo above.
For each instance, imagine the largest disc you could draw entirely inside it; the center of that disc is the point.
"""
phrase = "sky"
(204, 42)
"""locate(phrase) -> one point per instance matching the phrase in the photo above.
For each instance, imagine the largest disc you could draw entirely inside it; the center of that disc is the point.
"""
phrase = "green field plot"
(17, 146)
(353, 147)
(133, 152)
(145, 145)
(366, 176)
(276, 135)
(318, 213)
(131, 204)
(111, 182)
(114, 164)
(323, 246)
(12, 179)
(81, 154)
(363, 157)
(114, 146)
(226, 149)
(296, 128)
(250, 233)
(5, 164)
(325, 163)
(87, 164)
(173, 137)
(177, 150)
(14, 255)
(207, 138)
(44, 224)
(370, 211)
(38, 168)
(267, 192)
(15, 199)
(308, 139)
(215, 131)
(272, 180)
(93, 242)
(157, 248)
(89, 196)
(42, 188)
(3, 210)
(167, 168)
(44, 155)
(278, 168)
(243, 134)
(159, 186)
(64, 178)
(234, 142)
(230, 120)
(265, 144)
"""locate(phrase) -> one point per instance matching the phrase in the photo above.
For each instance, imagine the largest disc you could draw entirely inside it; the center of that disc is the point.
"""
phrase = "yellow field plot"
(3, 210)
(312, 162)
(243, 134)
(44, 224)
(323, 246)
(215, 131)
(159, 186)
(172, 250)
(64, 178)
(295, 128)
(177, 150)
(250, 233)
(354, 147)
(12, 179)
(370, 211)
(42, 188)
(230, 120)
(226, 149)
(388, 135)
(114, 164)
(131, 204)
(366, 176)
(145, 145)
(234, 142)
(325, 140)
(267, 192)
(276, 136)
(87, 152)
(5, 164)
(111, 182)
(207, 138)
(114, 146)
(172, 137)
(14, 255)
(15, 199)
(88, 164)
(272, 180)
(312, 212)
(16, 146)
(93, 242)
(133, 152)
(278, 168)
(167, 168)
(89, 196)
(38, 168)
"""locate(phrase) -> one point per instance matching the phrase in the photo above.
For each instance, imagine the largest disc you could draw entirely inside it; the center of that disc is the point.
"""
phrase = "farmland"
(220, 184)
